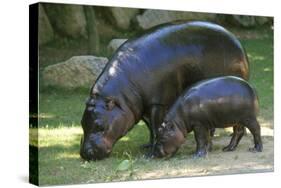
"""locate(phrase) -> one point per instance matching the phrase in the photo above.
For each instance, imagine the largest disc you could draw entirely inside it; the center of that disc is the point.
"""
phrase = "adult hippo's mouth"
(95, 147)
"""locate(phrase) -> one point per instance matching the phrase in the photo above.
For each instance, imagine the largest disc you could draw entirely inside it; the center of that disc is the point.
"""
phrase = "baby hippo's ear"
(162, 127)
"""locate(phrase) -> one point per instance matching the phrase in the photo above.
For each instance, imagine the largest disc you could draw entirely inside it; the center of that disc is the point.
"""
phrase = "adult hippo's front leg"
(151, 134)
(157, 114)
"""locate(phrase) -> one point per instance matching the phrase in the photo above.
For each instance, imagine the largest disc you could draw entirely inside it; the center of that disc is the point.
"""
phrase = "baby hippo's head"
(170, 139)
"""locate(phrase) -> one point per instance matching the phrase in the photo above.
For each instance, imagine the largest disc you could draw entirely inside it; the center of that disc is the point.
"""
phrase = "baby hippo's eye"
(160, 130)
(169, 126)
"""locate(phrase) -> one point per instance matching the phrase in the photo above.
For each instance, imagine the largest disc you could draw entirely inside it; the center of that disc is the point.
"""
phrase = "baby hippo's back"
(219, 102)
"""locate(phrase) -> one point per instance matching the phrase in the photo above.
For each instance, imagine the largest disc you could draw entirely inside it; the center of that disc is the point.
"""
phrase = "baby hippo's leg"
(202, 137)
(238, 132)
(254, 127)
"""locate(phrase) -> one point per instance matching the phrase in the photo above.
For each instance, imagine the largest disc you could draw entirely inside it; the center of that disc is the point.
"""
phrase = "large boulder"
(114, 44)
(261, 20)
(122, 16)
(249, 21)
(46, 32)
(153, 17)
(76, 72)
(67, 20)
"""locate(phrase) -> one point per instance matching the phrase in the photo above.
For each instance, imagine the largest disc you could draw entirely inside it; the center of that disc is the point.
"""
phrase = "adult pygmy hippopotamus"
(215, 103)
(147, 74)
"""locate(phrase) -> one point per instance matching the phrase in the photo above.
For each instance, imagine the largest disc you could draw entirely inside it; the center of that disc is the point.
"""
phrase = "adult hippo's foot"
(210, 146)
(146, 146)
(257, 148)
(150, 154)
(212, 132)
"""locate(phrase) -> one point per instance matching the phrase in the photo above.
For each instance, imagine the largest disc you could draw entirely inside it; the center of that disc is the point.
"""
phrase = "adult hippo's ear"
(110, 104)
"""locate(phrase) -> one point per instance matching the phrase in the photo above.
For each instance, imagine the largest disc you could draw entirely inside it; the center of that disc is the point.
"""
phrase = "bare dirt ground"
(217, 162)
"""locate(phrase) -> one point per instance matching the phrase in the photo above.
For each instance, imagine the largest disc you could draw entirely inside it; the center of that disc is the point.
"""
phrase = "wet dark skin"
(216, 103)
(147, 74)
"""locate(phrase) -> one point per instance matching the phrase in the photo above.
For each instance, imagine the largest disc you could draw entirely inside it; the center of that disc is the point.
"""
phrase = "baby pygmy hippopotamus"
(214, 103)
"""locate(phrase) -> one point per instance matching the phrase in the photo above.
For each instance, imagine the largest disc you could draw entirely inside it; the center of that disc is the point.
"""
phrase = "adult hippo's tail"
(246, 72)
(241, 66)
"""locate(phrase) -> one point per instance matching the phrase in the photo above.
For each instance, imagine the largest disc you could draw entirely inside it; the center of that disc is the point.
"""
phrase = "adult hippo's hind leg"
(254, 127)
(238, 132)
(212, 131)
(210, 143)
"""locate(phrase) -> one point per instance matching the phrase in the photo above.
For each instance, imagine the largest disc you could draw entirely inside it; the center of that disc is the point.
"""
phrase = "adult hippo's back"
(147, 74)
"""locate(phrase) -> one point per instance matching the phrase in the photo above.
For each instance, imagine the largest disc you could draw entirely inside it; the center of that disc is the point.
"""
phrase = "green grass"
(60, 132)
(61, 108)
(260, 53)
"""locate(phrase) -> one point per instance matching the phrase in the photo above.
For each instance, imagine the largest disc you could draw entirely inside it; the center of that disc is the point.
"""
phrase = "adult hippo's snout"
(95, 147)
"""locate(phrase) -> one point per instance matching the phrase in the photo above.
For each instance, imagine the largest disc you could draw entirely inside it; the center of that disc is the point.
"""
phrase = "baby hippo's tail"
(256, 101)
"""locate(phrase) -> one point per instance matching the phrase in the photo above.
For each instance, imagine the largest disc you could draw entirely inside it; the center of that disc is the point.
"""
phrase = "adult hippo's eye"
(90, 102)
(99, 125)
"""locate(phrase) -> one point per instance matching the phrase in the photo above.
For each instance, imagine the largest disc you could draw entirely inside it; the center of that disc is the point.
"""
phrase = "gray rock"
(123, 16)
(114, 44)
(249, 21)
(46, 32)
(68, 20)
(76, 72)
(152, 18)
(245, 21)
(262, 20)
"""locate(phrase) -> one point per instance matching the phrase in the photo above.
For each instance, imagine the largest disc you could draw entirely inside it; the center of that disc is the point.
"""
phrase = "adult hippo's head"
(103, 122)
